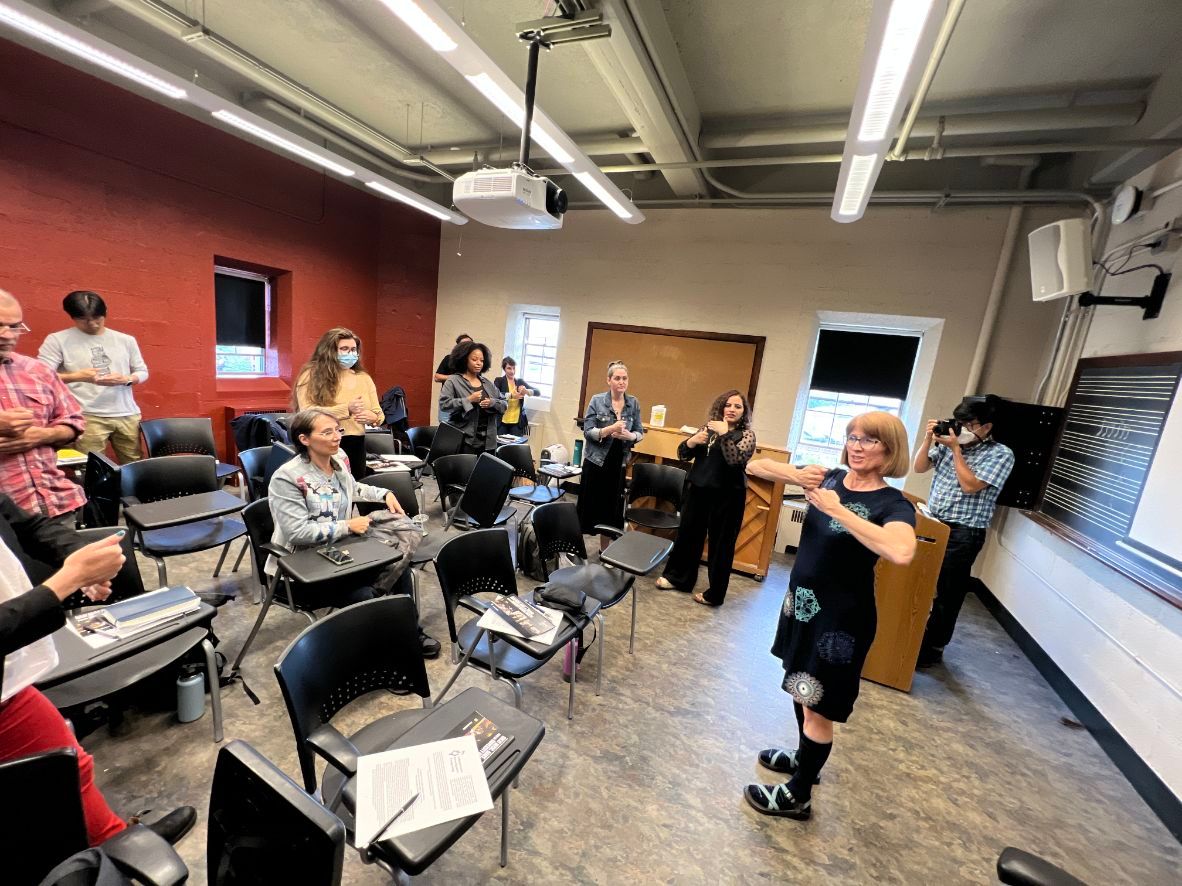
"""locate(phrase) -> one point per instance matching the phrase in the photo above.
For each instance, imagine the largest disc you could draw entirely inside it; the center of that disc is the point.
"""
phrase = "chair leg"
(268, 596)
(222, 559)
(599, 666)
(161, 571)
(632, 636)
(241, 554)
(215, 688)
(518, 695)
(574, 676)
(504, 828)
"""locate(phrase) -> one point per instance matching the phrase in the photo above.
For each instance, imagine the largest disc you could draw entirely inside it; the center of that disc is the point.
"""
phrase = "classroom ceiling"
(683, 81)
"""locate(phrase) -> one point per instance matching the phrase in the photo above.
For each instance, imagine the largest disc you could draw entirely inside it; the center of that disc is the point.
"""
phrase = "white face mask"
(966, 437)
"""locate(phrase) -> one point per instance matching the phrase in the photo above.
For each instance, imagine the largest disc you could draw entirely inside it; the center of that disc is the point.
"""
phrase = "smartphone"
(336, 556)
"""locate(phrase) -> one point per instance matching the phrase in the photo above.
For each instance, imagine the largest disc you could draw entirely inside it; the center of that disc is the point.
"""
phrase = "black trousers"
(716, 514)
(354, 447)
(964, 543)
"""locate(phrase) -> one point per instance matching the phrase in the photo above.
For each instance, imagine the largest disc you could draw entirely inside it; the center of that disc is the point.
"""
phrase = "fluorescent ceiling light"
(411, 200)
(42, 31)
(904, 28)
(422, 24)
(603, 195)
(515, 112)
(279, 141)
(858, 184)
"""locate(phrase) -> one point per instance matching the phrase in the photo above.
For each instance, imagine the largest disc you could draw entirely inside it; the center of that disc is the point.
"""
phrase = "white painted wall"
(1120, 644)
(760, 272)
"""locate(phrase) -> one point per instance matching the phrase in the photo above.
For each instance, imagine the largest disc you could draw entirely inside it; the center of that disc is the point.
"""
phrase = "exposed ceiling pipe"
(592, 146)
(910, 198)
(951, 15)
(181, 27)
(263, 103)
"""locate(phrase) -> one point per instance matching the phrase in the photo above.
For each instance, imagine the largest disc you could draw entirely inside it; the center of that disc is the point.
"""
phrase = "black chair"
(254, 469)
(103, 490)
(483, 503)
(481, 562)
(451, 475)
(1020, 868)
(280, 454)
(521, 457)
(184, 436)
(557, 530)
(401, 483)
(420, 440)
(155, 479)
(662, 482)
(260, 528)
(447, 440)
(128, 583)
(381, 442)
(42, 825)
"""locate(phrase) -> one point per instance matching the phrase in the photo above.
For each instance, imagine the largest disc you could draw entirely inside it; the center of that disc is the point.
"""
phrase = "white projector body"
(509, 198)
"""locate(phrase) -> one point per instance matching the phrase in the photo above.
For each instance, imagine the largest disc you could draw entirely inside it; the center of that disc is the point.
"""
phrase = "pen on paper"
(393, 818)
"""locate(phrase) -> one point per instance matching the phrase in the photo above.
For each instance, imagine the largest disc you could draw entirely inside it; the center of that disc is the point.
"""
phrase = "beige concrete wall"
(761, 272)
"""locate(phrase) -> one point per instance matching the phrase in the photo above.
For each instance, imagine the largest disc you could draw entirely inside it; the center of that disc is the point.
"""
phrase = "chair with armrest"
(155, 479)
(662, 482)
(402, 485)
(254, 469)
(521, 457)
(451, 475)
(280, 454)
(1017, 867)
(128, 583)
(260, 528)
(420, 440)
(481, 562)
(482, 504)
(447, 440)
(103, 491)
(184, 436)
(381, 442)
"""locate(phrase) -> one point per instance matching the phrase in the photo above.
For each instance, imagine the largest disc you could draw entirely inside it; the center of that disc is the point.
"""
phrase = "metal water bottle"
(190, 695)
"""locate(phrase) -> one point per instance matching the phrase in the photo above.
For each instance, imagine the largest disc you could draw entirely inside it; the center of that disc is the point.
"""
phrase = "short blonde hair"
(888, 429)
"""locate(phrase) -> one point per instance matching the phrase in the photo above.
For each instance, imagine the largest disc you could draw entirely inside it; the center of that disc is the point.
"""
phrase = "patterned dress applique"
(857, 507)
(806, 604)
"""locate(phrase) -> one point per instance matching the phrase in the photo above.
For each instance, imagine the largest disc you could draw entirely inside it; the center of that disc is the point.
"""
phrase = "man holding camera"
(971, 467)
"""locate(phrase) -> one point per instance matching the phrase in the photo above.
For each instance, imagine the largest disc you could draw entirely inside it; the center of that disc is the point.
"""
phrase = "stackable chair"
(662, 482)
(451, 476)
(381, 443)
(521, 457)
(254, 470)
(184, 436)
(420, 440)
(280, 454)
(103, 489)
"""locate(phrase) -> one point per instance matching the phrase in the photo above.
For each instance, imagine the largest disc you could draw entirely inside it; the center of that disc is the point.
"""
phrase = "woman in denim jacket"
(611, 427)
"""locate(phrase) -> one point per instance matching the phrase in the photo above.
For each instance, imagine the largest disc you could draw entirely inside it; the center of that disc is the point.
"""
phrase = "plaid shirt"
(32, 479)
(990, 461)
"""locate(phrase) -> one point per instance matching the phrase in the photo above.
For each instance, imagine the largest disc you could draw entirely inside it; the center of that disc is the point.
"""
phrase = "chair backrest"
(154, 479)
(453, 471)
(557, 531)
(254, 467)
(380, 443)
(420, 439)
(476, 562)
(260, 526)
(662, 482)
(41, 821)
(447, 440)
(102, 488)
(354, 651)
(263, 828)
(128, 583)
(487, 489)
(179, 436)
(281, 454)
(521, 457)
(401, 483)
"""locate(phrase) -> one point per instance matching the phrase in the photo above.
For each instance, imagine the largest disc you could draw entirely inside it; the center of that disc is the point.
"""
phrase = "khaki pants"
(123, 432)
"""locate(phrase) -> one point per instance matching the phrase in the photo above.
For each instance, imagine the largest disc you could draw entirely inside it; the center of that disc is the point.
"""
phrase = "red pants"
(30, 724)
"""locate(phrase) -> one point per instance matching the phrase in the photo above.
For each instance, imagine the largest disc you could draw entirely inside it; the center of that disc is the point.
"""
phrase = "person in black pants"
(714, 499)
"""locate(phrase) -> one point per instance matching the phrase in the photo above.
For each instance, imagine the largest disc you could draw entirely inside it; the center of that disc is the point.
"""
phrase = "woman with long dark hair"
(611, 427)
(715, 496)
(334, 379)
(470, 401)
(828, 618)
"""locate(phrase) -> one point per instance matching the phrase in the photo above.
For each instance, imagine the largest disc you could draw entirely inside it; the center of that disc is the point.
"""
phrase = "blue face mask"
(347, 360)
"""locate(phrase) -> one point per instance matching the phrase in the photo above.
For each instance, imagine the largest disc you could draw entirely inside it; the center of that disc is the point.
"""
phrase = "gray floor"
(644, 784)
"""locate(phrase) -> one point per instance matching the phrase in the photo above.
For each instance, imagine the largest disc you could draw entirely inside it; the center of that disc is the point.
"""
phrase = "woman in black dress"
(714, 499)
(828, 619)
(611, 427)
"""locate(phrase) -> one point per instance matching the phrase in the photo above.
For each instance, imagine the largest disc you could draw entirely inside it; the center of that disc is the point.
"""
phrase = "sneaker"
(929, 657)
(778, 760)
(776, 799)
(174, 825)
(664, 585)
(428, 644)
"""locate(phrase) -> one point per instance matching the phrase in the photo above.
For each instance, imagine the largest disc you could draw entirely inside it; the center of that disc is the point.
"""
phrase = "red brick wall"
(103, 190)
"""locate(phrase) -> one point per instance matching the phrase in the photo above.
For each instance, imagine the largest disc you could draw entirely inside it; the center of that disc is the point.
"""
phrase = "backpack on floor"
(529, 556)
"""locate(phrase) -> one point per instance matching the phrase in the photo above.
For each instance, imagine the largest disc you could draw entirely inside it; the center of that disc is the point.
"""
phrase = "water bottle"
(578, 457)
(190, 694)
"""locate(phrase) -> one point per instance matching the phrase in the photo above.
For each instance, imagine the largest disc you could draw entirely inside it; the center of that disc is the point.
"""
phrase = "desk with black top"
(417, 851)
(309, 567)
(85, 674)
(169, 512)
(636, 552)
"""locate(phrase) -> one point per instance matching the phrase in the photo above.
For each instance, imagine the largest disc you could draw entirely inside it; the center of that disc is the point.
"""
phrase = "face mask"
(347, 360)
(965, 437)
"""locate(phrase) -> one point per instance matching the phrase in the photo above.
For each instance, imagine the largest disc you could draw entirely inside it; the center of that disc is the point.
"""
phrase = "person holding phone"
(470, 401)
(828, 618)
(334, 379)
(311, 498)
(715, 495)
(515, 390)
(611, 427)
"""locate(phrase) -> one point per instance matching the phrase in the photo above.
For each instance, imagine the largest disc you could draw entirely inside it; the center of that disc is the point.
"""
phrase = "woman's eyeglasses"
(15, 328)
(864, 442)
(329, 433)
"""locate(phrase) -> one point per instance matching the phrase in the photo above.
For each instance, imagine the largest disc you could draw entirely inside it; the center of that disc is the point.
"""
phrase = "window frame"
(546, 388)
(267, 357)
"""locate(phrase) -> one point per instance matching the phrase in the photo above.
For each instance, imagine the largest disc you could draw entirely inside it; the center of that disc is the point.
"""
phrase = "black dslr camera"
(947, 427)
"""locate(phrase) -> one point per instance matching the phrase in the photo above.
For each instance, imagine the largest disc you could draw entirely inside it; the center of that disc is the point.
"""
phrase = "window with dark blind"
(242, 304)
(853, 372)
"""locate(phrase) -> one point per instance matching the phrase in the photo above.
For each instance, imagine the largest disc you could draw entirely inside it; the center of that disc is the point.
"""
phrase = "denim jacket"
(600, 414)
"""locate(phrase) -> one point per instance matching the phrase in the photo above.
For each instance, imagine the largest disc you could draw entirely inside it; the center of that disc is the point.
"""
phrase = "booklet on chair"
(489, 739)
(527, 619)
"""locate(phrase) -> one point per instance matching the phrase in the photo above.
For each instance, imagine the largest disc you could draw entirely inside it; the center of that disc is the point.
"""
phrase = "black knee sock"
(809, 761)
(799, 710)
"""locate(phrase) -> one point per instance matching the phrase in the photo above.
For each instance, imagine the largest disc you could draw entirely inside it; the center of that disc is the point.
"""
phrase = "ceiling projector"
(510, 198)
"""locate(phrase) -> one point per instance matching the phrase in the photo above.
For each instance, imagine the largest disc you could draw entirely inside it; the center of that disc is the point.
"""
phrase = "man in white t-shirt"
(100, 365)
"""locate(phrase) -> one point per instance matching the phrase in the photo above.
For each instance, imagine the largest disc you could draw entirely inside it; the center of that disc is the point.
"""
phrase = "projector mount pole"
(1151, 303)
(531, 85)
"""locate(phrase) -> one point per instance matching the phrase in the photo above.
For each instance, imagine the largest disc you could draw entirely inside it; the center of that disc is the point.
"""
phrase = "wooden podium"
(904, 597)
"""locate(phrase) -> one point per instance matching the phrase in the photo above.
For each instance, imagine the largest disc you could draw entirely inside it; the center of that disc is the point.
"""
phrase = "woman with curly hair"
(334, 379)
(715, 496)
(470, 401)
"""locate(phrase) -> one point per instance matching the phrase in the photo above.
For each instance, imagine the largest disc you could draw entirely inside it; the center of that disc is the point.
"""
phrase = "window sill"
(256, 385)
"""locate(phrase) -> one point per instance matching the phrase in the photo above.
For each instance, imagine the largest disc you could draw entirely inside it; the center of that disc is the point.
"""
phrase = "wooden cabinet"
(761, 515)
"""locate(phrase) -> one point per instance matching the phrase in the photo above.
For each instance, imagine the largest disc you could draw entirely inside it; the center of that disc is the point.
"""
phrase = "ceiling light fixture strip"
(441, 32)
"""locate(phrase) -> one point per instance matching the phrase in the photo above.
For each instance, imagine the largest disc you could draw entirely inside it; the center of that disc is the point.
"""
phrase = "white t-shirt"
(111, 352)
(29, 663)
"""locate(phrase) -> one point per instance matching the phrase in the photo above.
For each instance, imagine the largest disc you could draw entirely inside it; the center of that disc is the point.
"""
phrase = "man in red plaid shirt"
(38, 416)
